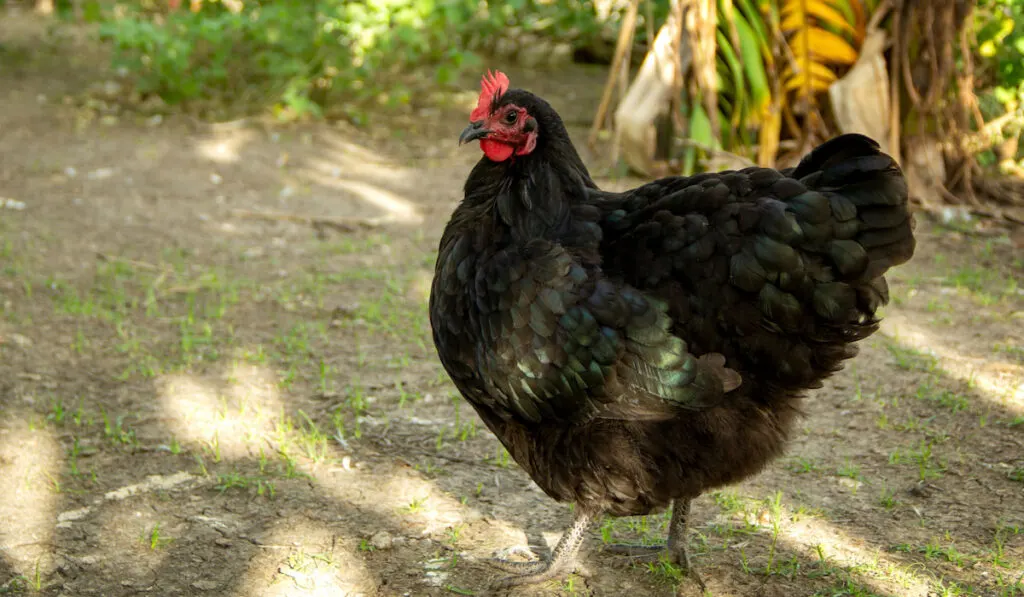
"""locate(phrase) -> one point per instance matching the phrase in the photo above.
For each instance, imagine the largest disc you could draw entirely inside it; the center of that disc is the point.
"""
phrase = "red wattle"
(496, 151)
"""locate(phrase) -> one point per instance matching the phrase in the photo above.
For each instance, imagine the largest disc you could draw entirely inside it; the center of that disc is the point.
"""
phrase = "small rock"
(435, 578)
(216, 178)
(206, 585)
(90, 560)
(112, 89)
(20, 341)
(850, 483)
(381, 540)
(100, 174)
(223, 542)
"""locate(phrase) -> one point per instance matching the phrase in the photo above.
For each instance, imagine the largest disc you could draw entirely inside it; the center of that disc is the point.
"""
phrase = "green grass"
(341, 341)
(416, 505)
(235, 480)
(984, 285)
(911, 359)
(931, 390)
(155, 540)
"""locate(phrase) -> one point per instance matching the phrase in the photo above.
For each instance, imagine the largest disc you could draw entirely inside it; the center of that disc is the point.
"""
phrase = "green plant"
(329, 57)
(1000, 35)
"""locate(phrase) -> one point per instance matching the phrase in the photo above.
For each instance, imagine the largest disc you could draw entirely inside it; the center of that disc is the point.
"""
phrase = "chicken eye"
(511, 117)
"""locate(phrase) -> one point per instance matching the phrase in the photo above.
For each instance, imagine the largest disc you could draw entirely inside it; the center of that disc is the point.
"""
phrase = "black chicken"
(634, 350)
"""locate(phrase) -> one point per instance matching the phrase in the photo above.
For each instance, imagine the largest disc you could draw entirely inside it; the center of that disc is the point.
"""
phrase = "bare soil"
(198, 402)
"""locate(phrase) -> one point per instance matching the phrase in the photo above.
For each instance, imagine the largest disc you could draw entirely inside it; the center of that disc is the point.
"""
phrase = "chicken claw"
(675, 549)
(562, 560)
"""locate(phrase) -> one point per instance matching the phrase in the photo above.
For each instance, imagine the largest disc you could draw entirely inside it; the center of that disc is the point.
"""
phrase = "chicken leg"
(563, 558)
(676, 545)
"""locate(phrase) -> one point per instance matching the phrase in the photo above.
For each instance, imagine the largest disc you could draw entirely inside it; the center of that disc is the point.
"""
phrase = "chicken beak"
(475, 130)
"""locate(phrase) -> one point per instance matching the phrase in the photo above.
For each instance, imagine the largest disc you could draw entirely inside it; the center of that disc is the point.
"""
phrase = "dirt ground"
(197, 402)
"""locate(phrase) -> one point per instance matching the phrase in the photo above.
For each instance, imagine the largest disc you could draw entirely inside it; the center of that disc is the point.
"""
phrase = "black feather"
(633, 348)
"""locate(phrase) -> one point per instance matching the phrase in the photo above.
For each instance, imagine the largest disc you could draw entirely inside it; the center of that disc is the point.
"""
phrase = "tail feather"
(853, 171)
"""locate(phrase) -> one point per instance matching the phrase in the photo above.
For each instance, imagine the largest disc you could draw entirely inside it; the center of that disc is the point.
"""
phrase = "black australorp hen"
(634, 350)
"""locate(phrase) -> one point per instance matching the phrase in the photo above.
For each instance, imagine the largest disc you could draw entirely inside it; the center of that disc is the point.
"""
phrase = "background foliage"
(327, 57)
(1000, 44)
(774, 59)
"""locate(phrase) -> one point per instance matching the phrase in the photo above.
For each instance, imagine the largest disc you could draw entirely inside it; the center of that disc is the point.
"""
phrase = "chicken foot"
(676, 545)
(562, 560)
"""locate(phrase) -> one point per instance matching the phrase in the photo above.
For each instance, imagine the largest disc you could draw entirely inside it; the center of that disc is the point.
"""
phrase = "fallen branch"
(319, 223)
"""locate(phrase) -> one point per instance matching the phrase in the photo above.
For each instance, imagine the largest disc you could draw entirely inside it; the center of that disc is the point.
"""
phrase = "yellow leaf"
(794, 18)
(817, 84)
(825, 45)
(816, 70)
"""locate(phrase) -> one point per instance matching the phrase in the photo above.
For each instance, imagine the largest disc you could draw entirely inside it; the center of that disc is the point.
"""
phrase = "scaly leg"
(678, 554)
(563, 558)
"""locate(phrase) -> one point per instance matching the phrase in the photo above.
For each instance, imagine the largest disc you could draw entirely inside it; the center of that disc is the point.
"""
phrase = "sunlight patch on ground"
(338, 165)
(404, 498)
(308, 560)
(224, 147)
(1000, 383)
(30, 463)
(424, 503)
(341, 157)
(817, 538)
(227, 418)
(395, 207)
(253, 385)
(342, 151)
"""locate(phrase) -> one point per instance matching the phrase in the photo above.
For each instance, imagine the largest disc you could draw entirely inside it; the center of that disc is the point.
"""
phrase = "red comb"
(492, 86)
